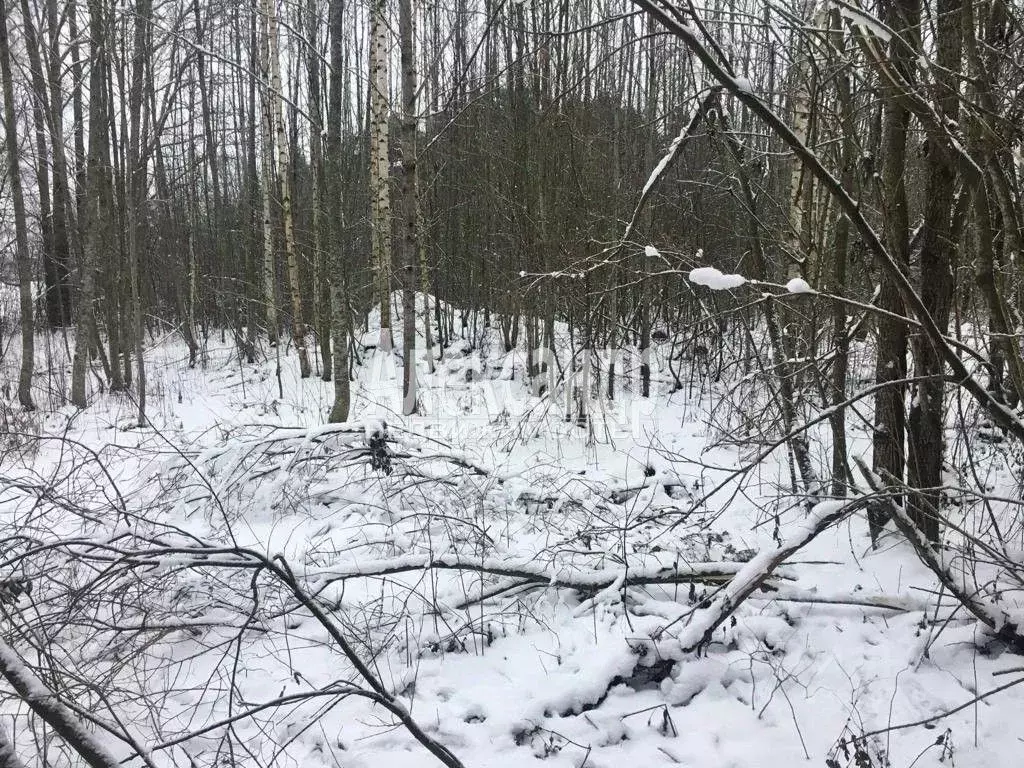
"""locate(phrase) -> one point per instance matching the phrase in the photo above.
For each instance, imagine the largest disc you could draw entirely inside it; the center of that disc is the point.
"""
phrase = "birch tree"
(284, 169)
(269, 175)
(321, 280)
(380, 192)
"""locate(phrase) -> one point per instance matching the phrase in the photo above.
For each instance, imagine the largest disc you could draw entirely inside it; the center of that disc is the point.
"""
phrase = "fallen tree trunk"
(969, 596)
(753, 575)
(51, 710)
(539, 574)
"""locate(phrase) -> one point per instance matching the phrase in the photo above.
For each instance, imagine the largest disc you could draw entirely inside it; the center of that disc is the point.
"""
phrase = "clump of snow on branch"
(715, 279)
(799, 285)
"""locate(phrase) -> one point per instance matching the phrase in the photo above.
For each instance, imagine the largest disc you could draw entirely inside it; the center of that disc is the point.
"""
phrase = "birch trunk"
(268, 173)
(380, 214)
(321, 284)
(284, 177)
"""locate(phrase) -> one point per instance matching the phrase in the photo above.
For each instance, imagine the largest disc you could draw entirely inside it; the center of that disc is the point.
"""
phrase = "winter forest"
(506, 383)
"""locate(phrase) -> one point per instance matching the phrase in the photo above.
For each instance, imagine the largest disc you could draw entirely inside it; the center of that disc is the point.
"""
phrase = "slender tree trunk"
(341, 316)
(64, 214)
(51, 279)
(410, 207)
(425, 287)
(192, 288)
(646, 292)
(252, 180)
(888, 458)
(926, 445)
(780, 360)
(838, 287)
(1005, 355)
(78, 115)
(114, 262)
(137, 184)
(269, 181)
(800, 98)
(321, 283)
(91, 210)
(20, 222)
(65, 218)
(380, 195)
(284, 177)
(215, 214)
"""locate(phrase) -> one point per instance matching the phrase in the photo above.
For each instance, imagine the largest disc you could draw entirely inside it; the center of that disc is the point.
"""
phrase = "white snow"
(518, 582)
(799, 285)
(715, 279)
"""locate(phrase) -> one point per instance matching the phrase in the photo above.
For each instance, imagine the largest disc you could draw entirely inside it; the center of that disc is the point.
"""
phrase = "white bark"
(284, 172)
(268, 172)
(380, 215)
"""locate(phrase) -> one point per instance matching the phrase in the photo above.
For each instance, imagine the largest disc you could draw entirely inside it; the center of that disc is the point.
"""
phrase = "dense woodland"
(277, 173)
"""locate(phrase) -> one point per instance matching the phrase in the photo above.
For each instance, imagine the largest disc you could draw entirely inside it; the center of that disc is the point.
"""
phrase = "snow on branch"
(531, 571)
(704, 621)
(52, 710)
(863, 20)
(969, 596)
(669, 158)
(715, 279)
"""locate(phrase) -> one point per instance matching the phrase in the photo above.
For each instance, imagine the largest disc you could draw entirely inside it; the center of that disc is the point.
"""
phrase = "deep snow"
(538, 674)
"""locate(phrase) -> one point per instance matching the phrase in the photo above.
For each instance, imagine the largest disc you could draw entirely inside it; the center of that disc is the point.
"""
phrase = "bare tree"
(889, 436)
(20, 222)
(410, 204)
(341, 313)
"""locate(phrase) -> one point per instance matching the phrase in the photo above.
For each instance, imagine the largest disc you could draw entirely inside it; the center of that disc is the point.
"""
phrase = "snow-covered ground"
(506, 574)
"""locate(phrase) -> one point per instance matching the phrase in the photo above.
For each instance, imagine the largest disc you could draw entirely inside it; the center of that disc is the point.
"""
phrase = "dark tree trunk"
(891, 355)
(21, 253)
(926, 446)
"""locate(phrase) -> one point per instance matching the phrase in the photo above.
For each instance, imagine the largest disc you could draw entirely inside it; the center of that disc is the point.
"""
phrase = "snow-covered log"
(970, 597)
(538, 573)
